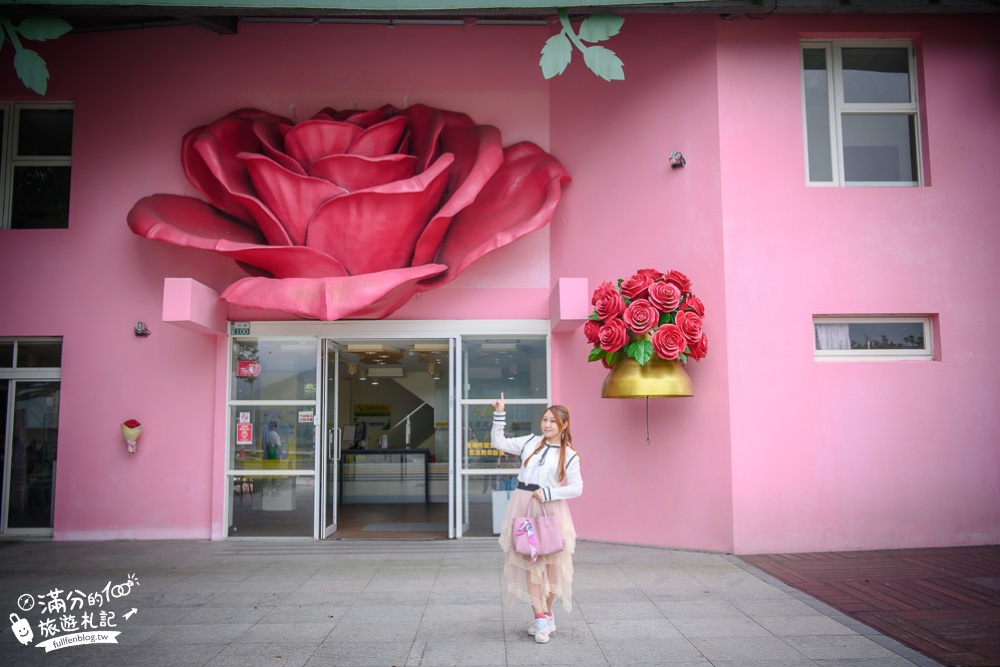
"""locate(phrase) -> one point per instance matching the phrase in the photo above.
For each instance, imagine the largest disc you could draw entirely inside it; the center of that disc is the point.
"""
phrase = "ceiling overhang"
(224, 16)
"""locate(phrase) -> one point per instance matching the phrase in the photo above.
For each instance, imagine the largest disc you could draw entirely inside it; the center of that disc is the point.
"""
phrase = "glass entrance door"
(331, 440)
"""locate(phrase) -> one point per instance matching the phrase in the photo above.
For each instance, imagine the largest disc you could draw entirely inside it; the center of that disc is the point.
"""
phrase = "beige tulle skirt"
(550, 574)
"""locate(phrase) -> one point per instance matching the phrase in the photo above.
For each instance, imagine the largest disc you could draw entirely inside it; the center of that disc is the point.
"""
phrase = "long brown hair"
(561, 414)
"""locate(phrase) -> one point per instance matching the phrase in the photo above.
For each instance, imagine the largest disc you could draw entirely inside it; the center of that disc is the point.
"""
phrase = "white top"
(544, 466)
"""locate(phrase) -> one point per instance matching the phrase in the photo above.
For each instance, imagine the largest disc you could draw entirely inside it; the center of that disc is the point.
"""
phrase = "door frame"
(450, 330)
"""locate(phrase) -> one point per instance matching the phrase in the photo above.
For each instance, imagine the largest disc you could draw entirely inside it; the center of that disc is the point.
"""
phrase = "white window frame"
(838, 108)
(9, 158)
(925, 354)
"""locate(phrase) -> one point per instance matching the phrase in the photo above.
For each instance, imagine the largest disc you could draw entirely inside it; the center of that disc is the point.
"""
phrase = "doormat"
(414, 527)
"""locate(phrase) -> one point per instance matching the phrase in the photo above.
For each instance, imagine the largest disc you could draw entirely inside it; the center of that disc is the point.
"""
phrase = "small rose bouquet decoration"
(131, 429)
(648, 313)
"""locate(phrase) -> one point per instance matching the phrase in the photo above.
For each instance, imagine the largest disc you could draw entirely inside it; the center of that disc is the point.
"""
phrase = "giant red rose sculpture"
(349, 213)
(647, 313)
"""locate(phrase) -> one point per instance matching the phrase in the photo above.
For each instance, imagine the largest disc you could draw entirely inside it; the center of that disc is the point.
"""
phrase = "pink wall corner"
(830, 456)
(627, 210)
(569, 304)
(193, 306)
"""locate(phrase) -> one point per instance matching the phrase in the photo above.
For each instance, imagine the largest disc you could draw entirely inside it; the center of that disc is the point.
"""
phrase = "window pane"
(39, 354)
(272, 506)
(876, 75)
(274, 369)
(817, 97)
(486, 505)
(880, 148)
(478, 452)
(45, 132)
(4, 389)
(887, 336)
(40, 198)
(33, 454)
(7, 354)
(515, 367)
(272, 438)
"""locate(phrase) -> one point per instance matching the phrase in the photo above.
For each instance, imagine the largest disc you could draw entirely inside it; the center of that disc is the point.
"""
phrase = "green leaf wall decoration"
(30, 67)
(558, 50)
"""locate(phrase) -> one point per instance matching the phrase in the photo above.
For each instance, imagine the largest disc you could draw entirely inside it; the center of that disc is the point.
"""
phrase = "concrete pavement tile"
(652, 651)
(839, 646)
(369, 598)
(745, 648)
(813, 624)
(384, 613)
(361, 654)
(449, 613)
(285, 654)
(640, 628)
(801, 662)
(457, 654)
(275, 633)
(594, 611)
(461, 630)
(180, 655)
(785, 606)
(204, 633)
(242, 613)
(713, 608)
(559, 651)
(313, 613)
(896, 661)
(719, 626)
(372, 630)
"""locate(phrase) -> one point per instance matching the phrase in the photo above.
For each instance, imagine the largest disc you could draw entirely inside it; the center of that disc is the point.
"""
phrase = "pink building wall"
(775, 452)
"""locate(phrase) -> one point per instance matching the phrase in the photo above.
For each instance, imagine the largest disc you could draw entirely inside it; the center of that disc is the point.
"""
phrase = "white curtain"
(833, 337)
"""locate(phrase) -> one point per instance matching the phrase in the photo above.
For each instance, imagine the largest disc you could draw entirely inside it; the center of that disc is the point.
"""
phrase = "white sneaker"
(541, 631)
(552, 625)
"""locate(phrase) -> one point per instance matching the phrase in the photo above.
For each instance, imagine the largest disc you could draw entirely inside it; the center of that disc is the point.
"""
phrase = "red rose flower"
(613, 335)
(652, 274)
(636, 286)
(609, 304)
(303, 204)
(590, 330)
(641, 316)
(603, 290)
(669, 341)
(700, 348)
(665, 296)
(693, 303)
(689, 323)
(132, 423)
(679, 279)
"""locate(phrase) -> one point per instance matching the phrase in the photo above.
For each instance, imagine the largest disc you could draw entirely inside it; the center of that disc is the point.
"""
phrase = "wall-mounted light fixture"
(677, 160)
(141, 329)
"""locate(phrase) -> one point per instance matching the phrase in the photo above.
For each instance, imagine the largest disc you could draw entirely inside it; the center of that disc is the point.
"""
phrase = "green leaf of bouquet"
(612, 358)
(641, 350)
(600, 27)
(41, 28)
(604, 63)
(31, 70)
(665, 318)
(594, 316)
(556, 55)
(596, 354)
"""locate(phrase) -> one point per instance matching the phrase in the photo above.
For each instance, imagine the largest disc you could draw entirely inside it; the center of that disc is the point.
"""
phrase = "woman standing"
(549, 474)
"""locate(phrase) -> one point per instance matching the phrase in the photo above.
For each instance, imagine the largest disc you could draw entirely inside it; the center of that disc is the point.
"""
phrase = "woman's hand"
(498, 405)
(538, 496)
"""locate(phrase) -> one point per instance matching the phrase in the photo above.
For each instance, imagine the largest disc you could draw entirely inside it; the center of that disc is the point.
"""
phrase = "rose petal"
(272, 140)
(208, 156)
(519, 199)
(331, 298)
(376, 230)
(478, 155)
(192, 223)
(380, 139)
(424, 128)
(361, 118)
(293, 198)
(312, 139)
(356, 172)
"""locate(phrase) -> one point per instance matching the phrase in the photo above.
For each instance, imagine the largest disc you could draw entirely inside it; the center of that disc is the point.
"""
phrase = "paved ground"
(352, 604)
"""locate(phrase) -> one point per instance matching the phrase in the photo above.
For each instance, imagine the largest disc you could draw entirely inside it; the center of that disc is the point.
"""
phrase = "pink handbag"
(537, 536)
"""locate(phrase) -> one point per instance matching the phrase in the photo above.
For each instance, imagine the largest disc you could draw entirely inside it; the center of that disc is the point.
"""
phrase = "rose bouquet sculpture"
(350, 213)
(131, 430)
(642, 330)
